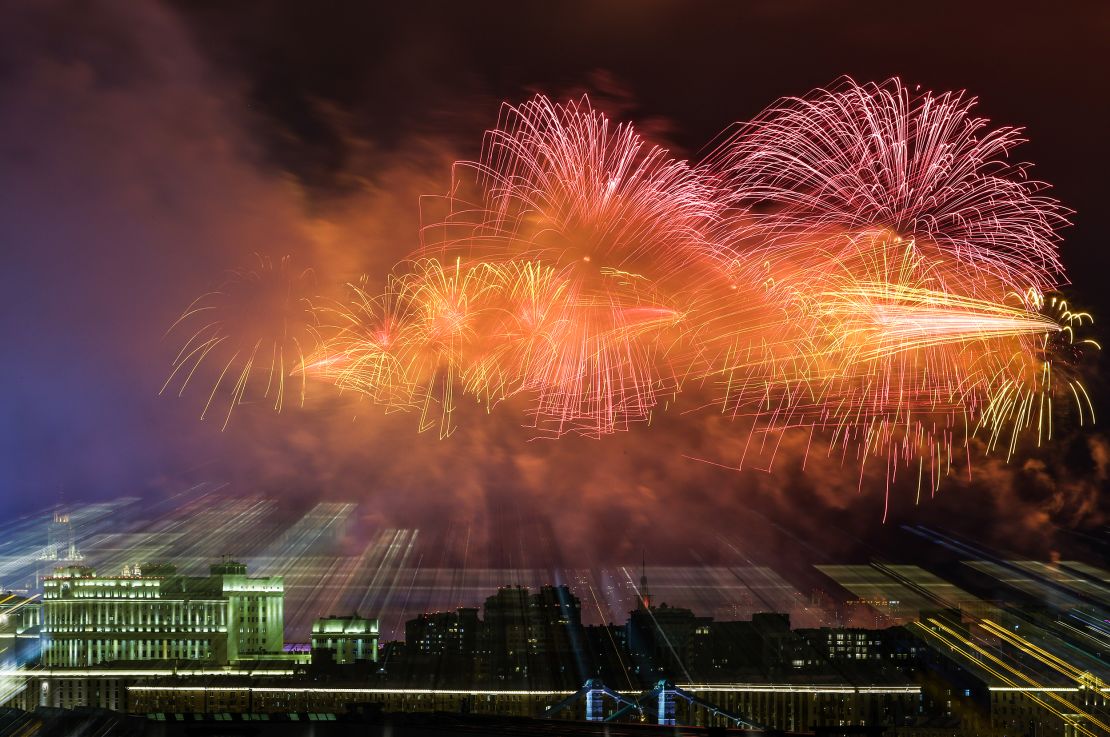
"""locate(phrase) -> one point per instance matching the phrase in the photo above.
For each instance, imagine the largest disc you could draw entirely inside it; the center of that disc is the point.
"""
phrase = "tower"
(60, 541)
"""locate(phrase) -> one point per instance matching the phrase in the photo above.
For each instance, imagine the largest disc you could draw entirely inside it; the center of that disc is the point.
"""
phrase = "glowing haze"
(162, 154)
(862, 263)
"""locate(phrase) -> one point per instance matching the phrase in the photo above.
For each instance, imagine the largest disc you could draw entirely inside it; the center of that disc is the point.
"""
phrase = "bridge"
(657, 701)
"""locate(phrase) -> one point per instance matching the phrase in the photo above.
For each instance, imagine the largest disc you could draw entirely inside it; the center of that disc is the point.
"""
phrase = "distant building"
(504, 645)
(523, 639)
(345, 639)
(443, 634)
(760, 648)
(663, 639)
(535, 639)
(856, 645)
(155, 614)
(61, 544)
(558, 640)
(439, 648)
(607, 647)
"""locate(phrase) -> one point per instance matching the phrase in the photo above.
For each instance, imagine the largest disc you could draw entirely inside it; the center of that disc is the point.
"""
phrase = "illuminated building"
(270, 690)
(345, 639)
(20, 621)
(155, 614)
(60, 542)
(854, 645)
(439, 648)
(948, 673)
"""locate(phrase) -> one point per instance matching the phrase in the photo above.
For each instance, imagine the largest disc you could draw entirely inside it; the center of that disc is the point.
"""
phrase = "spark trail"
(863, 263)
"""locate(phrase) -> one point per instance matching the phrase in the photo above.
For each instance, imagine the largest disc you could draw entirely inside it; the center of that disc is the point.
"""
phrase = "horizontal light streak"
(152, 673)
(733, 688)
(691, 687)
(1048, 689)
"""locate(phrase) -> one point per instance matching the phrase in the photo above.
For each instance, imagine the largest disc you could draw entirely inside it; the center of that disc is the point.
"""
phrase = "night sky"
(147, 148)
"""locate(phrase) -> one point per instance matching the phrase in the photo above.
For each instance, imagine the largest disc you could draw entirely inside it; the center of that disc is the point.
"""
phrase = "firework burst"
(252, 333)
(858, 157)
(620, 230)
(863, 262)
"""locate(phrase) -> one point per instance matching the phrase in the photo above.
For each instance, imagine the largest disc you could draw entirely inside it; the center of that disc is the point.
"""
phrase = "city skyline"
(1022, 642)
(330, 568)
(134, 609)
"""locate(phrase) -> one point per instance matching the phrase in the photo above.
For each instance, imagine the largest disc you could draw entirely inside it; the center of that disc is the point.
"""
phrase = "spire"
(645, 597)
(61, 543)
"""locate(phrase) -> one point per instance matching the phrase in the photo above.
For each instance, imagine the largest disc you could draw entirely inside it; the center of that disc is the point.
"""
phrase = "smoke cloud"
(136, 170)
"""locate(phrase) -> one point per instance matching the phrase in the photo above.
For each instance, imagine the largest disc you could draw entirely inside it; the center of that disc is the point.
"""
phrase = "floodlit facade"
(348, 639)
(20, 620)
(155, 614)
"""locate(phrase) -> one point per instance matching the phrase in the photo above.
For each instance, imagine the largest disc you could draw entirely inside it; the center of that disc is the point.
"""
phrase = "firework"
(532, 320)
(615, 233)
(365, 352)
(863, 262)
(859, 157)
(448, 304)
(252, 334)
(909, 261)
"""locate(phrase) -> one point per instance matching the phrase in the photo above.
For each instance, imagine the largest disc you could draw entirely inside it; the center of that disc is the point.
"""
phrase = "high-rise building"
(558, 639)
(535, 639)
(443, 634)
(504, 642)
(440, 648)
(155, 614)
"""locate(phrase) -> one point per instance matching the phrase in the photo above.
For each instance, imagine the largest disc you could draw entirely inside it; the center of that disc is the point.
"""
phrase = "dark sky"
(145, 148)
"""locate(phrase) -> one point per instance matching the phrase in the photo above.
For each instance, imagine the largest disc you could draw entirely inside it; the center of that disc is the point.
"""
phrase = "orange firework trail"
(256, 329)
(862, 262)
(623, 230)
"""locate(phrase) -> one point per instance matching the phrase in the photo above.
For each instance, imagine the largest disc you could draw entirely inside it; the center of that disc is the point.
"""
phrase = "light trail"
(1012, 677)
